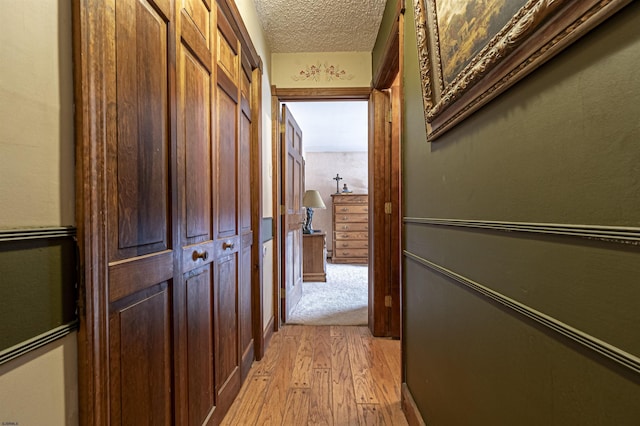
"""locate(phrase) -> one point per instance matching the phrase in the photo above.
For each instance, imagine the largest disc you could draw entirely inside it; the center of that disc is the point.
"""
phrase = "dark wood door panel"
(132, 275)
(141, 359)
(195, 143)
(245, 308)
(227, 202)
(140, 207)
(244, 151)
(199, 12)
(226, 321)
(200, 353)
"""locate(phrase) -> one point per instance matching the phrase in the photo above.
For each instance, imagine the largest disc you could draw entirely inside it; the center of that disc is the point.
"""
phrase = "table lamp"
(311, 200)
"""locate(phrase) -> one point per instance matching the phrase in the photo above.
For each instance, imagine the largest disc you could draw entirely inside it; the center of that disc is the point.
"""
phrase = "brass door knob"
(200, 255)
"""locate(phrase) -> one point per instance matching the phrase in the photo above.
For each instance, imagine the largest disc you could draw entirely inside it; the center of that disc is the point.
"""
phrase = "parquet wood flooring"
(322, 375)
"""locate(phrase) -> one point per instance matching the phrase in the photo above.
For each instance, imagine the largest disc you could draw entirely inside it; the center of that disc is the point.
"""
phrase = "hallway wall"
(37, 187)
(560, 148)
(249, 16)
(321, 69)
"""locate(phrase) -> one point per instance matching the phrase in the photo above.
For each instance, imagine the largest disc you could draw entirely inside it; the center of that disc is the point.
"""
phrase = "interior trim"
(615, 234)
(37, 233)
(268, 332)
(614, 353)
(322, 93)
(410, 409)
(37, 342)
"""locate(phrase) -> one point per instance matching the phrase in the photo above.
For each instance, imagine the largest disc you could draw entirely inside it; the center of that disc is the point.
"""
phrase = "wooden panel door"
(245, 291)
(226, 233)
(195, 173)
(384, 213)
(292, 190)
(139, 216)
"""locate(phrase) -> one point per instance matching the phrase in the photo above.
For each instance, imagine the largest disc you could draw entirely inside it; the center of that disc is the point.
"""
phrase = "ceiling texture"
(303, 26)
(293, 26)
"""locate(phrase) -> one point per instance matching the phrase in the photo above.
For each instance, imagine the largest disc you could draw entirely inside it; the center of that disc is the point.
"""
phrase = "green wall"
(560, 147)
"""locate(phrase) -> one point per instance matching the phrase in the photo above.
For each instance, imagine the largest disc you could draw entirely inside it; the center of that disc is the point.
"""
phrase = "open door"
(384, 212)
(293, 215)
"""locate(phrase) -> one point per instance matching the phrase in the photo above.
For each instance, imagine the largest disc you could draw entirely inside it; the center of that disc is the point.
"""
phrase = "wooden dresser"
(314, 257)
(350, 228)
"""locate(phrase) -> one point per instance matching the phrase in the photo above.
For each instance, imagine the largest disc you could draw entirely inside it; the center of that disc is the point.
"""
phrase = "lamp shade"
(312, 199)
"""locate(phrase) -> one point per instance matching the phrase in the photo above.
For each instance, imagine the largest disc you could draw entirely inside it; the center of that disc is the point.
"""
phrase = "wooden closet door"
(140, 213)
(226, 238)
(196, 156)
(245, 292)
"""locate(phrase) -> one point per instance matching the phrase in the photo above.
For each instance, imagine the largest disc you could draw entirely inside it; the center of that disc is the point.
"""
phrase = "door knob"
(227, 245)
(200, 255)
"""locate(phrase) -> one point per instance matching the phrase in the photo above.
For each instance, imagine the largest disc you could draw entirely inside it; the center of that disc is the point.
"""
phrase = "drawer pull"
(227, 245)
(344, 209)
(199, 255)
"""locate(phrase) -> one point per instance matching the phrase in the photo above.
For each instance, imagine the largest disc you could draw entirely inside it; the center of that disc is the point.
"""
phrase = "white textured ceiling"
(320, 25)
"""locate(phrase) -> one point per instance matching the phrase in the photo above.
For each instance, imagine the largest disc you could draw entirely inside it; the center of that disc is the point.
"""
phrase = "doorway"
(335, 275)
(381, 302)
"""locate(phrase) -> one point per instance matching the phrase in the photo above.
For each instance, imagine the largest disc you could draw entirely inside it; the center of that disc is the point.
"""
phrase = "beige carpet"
(342, 300)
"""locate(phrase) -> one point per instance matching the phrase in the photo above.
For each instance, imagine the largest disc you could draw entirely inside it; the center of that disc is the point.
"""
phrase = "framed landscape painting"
(470, 51)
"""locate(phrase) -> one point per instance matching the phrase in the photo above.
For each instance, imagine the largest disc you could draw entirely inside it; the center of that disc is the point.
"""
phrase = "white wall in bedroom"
(320, 168)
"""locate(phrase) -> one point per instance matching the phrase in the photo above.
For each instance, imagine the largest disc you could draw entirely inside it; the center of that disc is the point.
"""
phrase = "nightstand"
(314, 257)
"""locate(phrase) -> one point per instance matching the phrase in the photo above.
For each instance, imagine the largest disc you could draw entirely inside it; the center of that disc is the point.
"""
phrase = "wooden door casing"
(292, 189)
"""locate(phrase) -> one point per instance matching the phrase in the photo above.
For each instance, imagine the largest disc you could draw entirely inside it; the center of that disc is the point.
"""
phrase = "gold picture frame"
(471, 51)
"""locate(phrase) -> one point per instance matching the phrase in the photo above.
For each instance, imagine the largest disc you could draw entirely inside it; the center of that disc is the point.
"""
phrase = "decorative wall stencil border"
(37, 342)
(590, 342)
(316, 71)
(35, 233)
(614, 234)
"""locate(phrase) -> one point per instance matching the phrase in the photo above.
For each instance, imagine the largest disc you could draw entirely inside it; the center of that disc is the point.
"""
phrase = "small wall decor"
(470, 51)
(318, 71)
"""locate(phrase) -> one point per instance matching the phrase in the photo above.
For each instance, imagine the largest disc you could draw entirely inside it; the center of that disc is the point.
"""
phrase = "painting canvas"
(467, 26)
(470, 51)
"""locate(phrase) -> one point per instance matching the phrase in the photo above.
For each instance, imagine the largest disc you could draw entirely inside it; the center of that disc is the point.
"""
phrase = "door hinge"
(282, 128)
(283, 209)
(283, 293)
(387, 301)
(390, 116)
(387, 207)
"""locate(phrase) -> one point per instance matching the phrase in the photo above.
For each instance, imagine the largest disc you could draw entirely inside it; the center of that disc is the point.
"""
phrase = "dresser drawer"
(347, 226)
(352, 244)
(351, 209)
(351, 252)
(352, 235)
(351, 218)
(350, 199)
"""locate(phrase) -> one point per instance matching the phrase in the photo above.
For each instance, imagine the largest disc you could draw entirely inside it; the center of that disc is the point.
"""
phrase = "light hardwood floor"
(322, 375)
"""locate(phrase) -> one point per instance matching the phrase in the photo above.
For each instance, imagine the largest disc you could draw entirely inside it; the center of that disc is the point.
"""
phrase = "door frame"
(278, 97)
(92, 93)
(391, 66)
